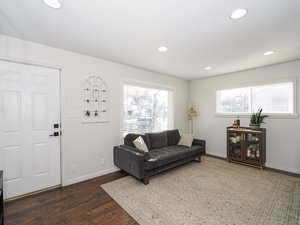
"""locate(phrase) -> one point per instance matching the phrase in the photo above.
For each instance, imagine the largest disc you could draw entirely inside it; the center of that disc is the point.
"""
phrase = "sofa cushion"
(157, 140)
(173, 137)
(129, 138)
(163, 156)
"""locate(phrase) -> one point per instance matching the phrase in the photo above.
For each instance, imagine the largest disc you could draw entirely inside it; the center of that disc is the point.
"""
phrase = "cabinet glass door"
(235, 145)
(252, 147)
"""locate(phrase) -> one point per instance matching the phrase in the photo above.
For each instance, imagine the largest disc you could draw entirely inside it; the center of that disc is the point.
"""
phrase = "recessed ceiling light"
(269, 53)
(238, 14)
(207, 68)
(162, 49)
(53, 3)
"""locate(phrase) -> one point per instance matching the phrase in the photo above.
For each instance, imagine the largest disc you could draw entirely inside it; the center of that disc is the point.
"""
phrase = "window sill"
(270, 116)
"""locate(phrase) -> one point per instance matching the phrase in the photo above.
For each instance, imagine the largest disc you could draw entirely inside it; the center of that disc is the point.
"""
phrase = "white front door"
(29, 108)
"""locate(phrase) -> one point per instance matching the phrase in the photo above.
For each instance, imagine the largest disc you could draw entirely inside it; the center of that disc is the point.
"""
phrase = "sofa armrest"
(201, 143)
(130, 160)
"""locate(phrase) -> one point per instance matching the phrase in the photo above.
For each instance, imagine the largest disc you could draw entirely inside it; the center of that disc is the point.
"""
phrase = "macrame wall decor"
(95, 100)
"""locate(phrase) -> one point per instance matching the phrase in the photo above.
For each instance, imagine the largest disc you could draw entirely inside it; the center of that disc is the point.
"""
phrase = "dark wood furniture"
(247, 146)
(1, 199)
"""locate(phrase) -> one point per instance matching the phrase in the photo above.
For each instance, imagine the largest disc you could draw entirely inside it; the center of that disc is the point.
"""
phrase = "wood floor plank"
(84, 203)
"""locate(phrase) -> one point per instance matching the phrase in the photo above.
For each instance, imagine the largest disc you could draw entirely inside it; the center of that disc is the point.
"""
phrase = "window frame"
(150, 85)
(292, 115)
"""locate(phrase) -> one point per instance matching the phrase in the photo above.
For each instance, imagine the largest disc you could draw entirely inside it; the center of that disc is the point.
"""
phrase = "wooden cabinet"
(246, 146)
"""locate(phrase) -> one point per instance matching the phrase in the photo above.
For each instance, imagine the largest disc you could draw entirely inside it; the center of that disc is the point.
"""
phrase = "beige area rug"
(213, 192)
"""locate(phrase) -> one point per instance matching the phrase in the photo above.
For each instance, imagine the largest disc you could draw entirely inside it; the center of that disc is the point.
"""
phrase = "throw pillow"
(129, 138)
(140, 144)
(186, 140)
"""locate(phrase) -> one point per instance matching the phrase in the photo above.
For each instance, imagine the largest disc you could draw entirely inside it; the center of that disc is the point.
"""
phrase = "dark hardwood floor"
(84, 203)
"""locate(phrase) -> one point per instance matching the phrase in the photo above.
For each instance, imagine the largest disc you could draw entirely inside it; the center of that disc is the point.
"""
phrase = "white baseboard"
(217, 154)
(89, 176)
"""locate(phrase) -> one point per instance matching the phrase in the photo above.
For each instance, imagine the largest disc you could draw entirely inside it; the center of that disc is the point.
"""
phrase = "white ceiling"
(198, 33)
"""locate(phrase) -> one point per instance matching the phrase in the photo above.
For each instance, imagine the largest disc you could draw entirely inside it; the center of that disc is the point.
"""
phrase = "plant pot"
(254, 126)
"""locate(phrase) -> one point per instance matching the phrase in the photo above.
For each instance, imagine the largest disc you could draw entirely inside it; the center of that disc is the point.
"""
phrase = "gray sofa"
(164, 154)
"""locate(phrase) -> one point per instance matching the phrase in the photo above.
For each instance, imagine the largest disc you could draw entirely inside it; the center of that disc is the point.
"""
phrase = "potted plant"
(257, 119)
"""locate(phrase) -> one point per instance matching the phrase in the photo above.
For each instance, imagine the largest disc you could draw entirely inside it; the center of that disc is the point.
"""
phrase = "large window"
(146, 109)
(277, 98)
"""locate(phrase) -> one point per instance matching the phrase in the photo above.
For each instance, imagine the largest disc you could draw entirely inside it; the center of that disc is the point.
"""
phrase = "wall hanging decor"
(95, 100)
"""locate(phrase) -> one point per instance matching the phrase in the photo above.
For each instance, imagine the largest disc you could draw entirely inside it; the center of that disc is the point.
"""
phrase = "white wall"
(283, 135)
(84, 145)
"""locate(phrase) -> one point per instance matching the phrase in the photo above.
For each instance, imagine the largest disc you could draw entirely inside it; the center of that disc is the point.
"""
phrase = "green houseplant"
(257, 119)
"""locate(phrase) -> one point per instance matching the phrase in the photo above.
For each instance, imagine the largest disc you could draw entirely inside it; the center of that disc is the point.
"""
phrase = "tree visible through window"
(145, 109)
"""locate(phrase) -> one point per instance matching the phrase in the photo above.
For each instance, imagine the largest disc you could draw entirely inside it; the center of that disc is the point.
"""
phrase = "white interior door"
(29, 108)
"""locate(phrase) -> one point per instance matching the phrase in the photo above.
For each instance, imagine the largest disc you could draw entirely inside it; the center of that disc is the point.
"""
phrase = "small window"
(275, 98)
(234, 101)
(146, 109)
